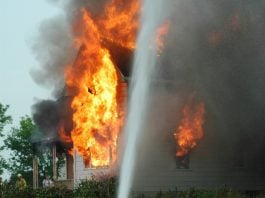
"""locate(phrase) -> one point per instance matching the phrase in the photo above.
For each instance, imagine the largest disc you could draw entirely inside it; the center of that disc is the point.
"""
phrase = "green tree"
(18, 142)
(4, 120)
(2, 164)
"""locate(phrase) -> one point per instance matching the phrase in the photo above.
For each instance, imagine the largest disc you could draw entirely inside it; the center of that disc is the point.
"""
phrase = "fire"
(120, 22)
(63, 134)
(190, 130)
(231, 26)
(161, 32)
(92, 80)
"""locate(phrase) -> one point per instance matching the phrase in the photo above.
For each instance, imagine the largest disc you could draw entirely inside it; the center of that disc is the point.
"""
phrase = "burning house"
(90, 113)
(204, 125)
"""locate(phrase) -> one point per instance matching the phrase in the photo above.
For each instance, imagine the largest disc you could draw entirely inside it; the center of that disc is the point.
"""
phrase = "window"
(183, 162)
(103, 160)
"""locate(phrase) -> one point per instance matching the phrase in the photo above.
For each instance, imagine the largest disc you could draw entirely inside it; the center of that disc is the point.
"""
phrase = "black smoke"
(46, 116)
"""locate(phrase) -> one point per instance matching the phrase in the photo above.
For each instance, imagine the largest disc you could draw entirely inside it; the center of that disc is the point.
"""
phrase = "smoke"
(215, 52)
(46, 116)
(54, 52)
(218, 54)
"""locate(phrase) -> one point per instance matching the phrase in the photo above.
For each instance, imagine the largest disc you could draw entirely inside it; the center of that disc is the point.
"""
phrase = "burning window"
(189, 131)
(89, 159)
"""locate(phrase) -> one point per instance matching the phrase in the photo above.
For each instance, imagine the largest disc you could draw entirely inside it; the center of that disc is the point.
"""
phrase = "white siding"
(83, 173)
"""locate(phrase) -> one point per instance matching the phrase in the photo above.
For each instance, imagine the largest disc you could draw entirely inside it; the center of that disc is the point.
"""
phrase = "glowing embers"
(190, 129)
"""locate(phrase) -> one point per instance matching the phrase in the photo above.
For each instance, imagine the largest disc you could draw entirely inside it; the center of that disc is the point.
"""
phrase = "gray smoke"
(215, 52)
(218, 54)
(54, 52)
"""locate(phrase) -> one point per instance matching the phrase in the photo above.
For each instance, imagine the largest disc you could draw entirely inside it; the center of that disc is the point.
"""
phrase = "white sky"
(19, 22)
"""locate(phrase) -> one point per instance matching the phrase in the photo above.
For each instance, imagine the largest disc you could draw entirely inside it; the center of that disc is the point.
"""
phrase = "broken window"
(183, 162)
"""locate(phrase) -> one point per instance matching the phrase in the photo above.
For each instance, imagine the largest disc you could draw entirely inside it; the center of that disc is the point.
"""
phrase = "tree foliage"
(18, 142)
(2, 164)
(103, 187)
(4, 120)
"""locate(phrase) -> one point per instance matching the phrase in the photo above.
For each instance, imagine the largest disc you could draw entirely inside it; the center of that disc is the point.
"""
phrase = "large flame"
(190, 130)
(93, 79)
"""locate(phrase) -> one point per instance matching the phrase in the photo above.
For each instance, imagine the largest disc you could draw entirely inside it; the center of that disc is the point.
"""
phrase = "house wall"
(83, 173)
(208, 170)
(212, 162)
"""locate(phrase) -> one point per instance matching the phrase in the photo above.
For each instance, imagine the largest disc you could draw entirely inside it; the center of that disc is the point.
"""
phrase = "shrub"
(195, 193)
(105, 188)
(53, 192)
(10, 191)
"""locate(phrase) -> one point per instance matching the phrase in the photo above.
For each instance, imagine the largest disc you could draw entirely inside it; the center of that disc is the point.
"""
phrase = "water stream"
(143, 70)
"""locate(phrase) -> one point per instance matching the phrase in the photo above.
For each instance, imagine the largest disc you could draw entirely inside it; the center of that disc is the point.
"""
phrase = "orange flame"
(63, 134)
(92, 81)
(120, 23)
(190, 130)
(71, 152)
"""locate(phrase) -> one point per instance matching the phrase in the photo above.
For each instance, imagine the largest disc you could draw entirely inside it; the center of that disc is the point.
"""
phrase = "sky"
(19, 27)
(20, 21)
